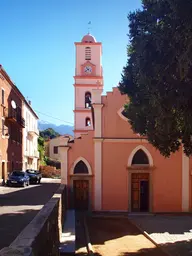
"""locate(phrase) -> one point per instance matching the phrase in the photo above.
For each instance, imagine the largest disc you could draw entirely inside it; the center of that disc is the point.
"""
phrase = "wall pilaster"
(185, 183)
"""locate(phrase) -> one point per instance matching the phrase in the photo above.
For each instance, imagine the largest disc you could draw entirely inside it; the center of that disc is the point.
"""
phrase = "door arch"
(140, 165)
(81, 184)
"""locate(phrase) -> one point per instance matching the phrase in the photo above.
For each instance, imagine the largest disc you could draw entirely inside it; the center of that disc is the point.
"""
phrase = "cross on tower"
(89, 27)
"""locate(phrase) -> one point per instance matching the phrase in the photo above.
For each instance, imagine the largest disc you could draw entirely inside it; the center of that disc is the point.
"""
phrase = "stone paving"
(172, 233)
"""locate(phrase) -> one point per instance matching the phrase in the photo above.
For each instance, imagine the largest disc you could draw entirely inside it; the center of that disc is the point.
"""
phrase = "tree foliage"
(158, 74)
(53, 162)
(46, 135)
(49, 134)
(41, 149)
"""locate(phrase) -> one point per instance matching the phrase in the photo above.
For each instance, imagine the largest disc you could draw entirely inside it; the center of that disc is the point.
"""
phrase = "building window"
(87, 121)
(140, 158)
(55, 150)
(81, 168)
(2, 96)
(88, 53)
(3, 127)
(87, 100)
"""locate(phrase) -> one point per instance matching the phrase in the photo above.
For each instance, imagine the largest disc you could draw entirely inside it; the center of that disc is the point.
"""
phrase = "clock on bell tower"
(88, 76)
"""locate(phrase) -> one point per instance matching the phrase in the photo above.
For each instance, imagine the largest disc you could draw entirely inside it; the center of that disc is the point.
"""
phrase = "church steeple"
(88, 72)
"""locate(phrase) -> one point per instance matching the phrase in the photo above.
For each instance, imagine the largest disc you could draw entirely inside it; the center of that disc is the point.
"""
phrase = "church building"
(106, 166)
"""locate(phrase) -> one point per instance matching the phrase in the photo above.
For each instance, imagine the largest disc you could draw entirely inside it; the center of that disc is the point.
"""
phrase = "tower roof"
(88, 39)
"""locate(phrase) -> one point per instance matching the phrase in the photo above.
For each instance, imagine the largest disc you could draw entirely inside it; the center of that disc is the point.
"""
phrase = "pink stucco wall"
(96, 52)
(83, 147)
(113, 124)
(80, 120)
(166, 176)
(167, 182)
(190, 183)
(115, 176)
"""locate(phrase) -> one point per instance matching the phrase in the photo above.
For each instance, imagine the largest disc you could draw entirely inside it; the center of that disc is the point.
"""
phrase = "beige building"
(52, 147)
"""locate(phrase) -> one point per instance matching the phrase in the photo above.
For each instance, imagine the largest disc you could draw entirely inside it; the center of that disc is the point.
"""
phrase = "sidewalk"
(172, 233)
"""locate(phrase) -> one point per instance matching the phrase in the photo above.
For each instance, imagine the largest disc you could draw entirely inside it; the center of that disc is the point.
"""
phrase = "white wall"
(30, 137)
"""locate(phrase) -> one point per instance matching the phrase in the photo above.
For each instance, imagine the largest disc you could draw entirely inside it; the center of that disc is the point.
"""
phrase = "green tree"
(158, 74)
(49, 134)
(41, 149)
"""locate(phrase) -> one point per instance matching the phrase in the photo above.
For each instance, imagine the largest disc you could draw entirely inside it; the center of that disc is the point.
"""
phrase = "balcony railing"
(12, 116)
(21, 121)
(32, 153)
(34, 132)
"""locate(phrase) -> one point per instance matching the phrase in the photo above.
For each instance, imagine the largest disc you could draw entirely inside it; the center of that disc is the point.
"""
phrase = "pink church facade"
(107, 167)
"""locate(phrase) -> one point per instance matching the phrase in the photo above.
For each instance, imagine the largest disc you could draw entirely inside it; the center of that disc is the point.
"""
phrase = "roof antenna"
(89, 27)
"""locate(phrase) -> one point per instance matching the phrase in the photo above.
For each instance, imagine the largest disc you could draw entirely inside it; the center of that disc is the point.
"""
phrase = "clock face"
(88, 69)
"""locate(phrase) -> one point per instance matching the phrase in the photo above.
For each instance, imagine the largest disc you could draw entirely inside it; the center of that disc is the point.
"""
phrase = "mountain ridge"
(61, 129)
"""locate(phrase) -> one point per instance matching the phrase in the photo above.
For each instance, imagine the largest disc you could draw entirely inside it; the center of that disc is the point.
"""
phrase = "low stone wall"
(42, 235)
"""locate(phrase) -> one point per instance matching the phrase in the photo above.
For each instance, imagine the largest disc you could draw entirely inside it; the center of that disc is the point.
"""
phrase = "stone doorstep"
(68, 237)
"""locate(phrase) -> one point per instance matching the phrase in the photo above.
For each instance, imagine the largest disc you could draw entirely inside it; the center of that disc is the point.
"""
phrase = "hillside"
(49, 134)
(61, 129)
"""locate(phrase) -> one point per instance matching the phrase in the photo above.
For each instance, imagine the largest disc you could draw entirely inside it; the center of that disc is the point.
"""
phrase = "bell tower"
(88, 76)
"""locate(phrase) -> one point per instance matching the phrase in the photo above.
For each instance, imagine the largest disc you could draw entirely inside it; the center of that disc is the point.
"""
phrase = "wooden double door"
(81, 194)
(140, 192)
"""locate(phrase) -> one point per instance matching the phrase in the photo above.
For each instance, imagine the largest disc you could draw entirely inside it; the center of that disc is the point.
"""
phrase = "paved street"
(18, 206)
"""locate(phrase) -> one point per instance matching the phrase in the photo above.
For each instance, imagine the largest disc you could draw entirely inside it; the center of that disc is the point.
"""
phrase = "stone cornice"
(140, 168)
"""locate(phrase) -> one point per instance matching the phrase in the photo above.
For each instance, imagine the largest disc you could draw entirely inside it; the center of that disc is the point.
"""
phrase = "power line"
(53, 117)
(46, 122)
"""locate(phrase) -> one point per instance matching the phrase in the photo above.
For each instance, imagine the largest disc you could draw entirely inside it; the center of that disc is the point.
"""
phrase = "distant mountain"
(61, 129)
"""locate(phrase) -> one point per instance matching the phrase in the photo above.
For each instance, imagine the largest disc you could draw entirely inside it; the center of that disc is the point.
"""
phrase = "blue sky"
(37, 47)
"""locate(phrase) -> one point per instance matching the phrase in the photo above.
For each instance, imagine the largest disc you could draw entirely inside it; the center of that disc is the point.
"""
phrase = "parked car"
(34, 175)
(19, 178)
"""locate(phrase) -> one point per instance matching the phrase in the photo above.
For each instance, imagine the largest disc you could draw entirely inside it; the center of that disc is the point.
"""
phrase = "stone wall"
(42, 235)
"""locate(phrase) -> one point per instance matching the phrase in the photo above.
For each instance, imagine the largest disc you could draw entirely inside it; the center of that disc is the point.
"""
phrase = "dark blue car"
(34, 176)
(18, 178)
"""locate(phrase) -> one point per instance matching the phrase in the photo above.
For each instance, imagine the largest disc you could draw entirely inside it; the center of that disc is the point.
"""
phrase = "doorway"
(140, 192)
(81, 194)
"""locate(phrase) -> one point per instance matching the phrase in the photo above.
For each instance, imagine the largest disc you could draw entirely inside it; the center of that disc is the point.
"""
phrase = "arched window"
(87, 100)
(140, 158)
(87, 53)
(81, 168)
(87, 121)
(124, 113)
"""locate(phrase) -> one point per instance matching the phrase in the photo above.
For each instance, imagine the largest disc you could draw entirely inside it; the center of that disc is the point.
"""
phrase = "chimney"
(29, 102)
